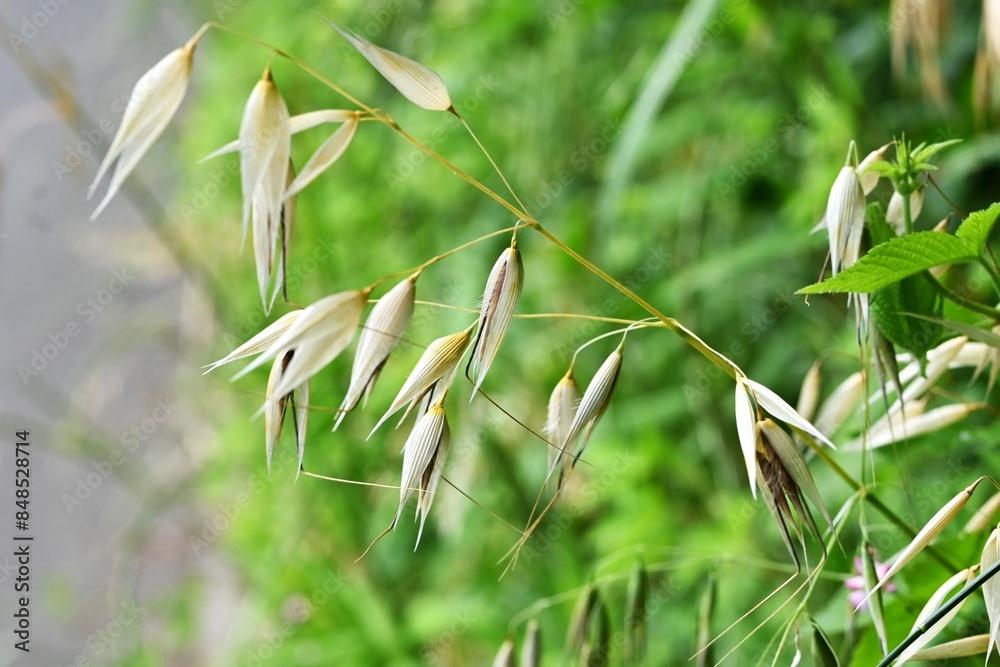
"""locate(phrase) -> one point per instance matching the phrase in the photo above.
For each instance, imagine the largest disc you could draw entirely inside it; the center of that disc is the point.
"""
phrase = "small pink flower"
(856, 584)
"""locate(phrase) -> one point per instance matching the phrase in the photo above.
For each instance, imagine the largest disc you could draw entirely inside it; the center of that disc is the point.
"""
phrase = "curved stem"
(968, 304)
(991, 271)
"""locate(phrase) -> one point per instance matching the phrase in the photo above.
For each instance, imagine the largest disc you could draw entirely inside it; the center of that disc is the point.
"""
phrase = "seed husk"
(503, 289)
(150, 108)
(382, 331)
(418, 83)
(845, 217)
(562, 406)
(595, 402)
(325, 155)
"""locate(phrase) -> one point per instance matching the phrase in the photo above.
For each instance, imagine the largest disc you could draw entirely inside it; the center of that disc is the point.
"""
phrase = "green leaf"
(923, 153)
(896, 259)
(976, 228)
(890, 307)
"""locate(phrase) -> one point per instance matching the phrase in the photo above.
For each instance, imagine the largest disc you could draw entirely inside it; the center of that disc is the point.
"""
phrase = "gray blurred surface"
(107, 317)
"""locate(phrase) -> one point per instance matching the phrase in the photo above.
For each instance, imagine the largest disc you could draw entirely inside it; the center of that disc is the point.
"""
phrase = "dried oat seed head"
(894, 211)
(867, 176)
(325, 155)
(845, 218)
(562, 407)
(262, 341)
(419, 453)
(417, 83)
(154, 100)
(265, 142)
(503, 289)
(432, 375)
(383, 329)
(595, 402)
(794, 462)
(991, 588)
(748, 432)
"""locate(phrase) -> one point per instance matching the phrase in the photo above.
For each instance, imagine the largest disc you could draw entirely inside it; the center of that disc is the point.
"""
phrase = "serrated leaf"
(976, 228)
(971, 330)
(896, 259)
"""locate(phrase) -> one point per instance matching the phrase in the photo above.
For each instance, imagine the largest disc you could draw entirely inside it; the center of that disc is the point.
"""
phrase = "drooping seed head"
(318, 334)
(265, 143)
(325, 155)
(432, 375)
(845, 218)
(503, 289)
(384, 328)
(422, 447)
(595, 402)
(562, 407)
(417, 83)
(894, 211)
(794, 462)
(152, 104)
(868, 176)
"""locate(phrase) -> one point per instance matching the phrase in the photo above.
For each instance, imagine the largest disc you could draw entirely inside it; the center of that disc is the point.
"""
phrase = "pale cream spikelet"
(867, 176)
(809, 393)
(594, 403)
(296, 124)
(931, 529)
(262, 341)
(776, 406)
(418, 83)
(991, 588)
(319, 333)
(747, 431)
(503, 289)
(562, 407)
(894, 211)
(325, 155)
(265, 143)
(433, 374)
(421, 470)
(383, 329)
(152, 104)
(934, 602)
(845, 217)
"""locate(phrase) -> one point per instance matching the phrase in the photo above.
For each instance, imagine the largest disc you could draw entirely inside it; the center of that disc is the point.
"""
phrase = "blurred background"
(686, 148)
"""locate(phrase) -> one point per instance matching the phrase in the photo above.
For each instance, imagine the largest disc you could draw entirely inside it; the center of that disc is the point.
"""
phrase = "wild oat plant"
(912, 330)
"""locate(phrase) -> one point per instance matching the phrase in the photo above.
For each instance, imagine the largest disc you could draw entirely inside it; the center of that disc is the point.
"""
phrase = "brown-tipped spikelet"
(318, 334)
(152, 104)
(423, 461)
(432, 375)
(562, 407)
(265, 142)
(594, 403)
(845, 217)
(275, 408)
(382, 331)
(503, 289)
(419, 84)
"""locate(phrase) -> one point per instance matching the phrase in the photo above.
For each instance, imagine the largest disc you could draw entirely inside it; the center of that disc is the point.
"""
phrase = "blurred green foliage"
(712, 227)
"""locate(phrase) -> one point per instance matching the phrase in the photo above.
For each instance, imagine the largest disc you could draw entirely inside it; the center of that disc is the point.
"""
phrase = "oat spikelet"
(296, 124)
(959, 648)
(419, 84)
(562, 407)
(777, 407)
(594, 403)
(265, 142)
(932, 529)
(747, 430)
(325, 155)
(152, 104)
(531, 650)
(432, 375)
(991, 588)
(939, 597)
(423, 461)
(503, 289)
(382, 331)
(794, 462)
(868, 176)
(983, 518)
(505, 656)
(319, 333)
(845, 217)
(262, 341)
(894, 211)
